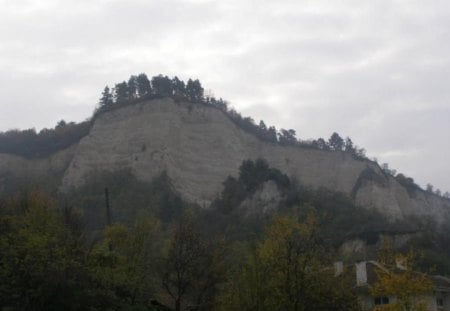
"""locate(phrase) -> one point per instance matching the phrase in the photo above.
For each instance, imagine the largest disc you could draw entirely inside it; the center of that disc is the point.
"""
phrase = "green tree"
(133, 87)
(189, 266)
(285, 272)
(126, 261)
(41, 258)
(336, 142)
(287, 137)
(121, 92)
(254, 173)
(60, 125)
(143, 85)
(349, 145)
(194, 90)
(272, 134)
(107, 97)
(262, 126)
(179, 88)
(321, 144)
(162, 85)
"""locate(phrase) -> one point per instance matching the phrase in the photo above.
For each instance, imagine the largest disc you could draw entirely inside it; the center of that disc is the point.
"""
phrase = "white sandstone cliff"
(199, 147)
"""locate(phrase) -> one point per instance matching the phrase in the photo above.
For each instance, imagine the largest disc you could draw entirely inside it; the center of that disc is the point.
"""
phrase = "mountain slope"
(199, 146)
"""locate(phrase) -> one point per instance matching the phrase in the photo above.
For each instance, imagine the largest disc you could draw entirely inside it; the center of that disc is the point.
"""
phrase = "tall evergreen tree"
(162, 85)
(349, 145)
(188, 270)
(143, 85)
(194, 90)
(272, 134)
(287, 137)
(336, 142)
(133, 87)
(262, 126)
(321, 144)
(179, 87)
(107, 97)
(121, 92)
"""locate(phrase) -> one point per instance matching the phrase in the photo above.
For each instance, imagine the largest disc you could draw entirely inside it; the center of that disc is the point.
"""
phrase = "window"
(381, 300)
(440, 302)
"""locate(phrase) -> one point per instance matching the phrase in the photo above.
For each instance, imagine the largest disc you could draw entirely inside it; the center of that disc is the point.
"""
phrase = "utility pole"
(108, 208)
(108, 214)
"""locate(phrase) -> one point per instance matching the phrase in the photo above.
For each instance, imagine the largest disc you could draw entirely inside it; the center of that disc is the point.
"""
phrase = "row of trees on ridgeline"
(140, 87)
(438, 192)
(29, 143)
(409, 183)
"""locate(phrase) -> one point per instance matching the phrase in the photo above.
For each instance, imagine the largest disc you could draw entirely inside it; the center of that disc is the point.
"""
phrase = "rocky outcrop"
(199, 146)
(266, 198)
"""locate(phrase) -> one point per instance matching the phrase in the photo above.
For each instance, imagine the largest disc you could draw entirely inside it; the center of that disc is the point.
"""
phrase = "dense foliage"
(48, 262)
(339, 217)
(159, 251)
(285, 271)
(29, 143)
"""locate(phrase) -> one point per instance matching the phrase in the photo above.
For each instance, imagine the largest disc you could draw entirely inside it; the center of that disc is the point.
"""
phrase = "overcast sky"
(377, 71)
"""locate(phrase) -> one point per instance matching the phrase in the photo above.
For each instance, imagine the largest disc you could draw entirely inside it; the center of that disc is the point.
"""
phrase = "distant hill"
(199, 146)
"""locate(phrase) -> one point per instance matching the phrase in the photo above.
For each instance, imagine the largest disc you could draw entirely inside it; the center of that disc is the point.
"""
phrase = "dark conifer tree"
(107, 97)
(349, 145)
(162, 85)
(132, 87)
(287, 137)
(221, 104)
(336, 142)
(272, 134)
(143, 85)
(61, 124)
(121, 92)
(178, 86)
(194, 90)
(321, 144)
(262, 126)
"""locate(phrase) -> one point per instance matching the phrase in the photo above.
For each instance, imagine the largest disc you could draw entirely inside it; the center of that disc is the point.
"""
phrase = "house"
(366, 276)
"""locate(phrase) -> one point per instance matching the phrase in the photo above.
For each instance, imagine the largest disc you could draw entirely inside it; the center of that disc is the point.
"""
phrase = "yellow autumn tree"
(400, 280)
(286, 272)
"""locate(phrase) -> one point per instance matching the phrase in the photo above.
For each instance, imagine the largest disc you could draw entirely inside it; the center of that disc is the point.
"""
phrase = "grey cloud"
(374, 70)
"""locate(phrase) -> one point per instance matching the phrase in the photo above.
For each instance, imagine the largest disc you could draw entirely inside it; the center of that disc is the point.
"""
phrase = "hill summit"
(199, 146)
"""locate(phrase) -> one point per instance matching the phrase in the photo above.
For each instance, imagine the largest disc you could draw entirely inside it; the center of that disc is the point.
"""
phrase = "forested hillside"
(142, 247)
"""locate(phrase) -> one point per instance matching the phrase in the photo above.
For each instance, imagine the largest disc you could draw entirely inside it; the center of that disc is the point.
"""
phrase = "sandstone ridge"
(199, 146)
